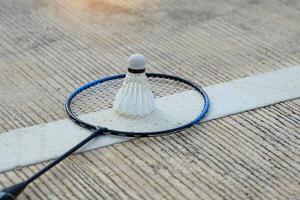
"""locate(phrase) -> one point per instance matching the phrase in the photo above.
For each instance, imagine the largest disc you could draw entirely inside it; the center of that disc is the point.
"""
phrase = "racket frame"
(84, 124)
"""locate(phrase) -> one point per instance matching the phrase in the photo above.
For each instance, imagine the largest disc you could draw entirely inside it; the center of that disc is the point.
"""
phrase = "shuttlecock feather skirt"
(135, 98)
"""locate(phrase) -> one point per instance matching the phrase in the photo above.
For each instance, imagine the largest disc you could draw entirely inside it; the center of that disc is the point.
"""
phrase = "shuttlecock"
(135, 98)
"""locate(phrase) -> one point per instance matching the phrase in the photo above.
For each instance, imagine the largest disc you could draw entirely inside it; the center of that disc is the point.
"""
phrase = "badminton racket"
(98, 96)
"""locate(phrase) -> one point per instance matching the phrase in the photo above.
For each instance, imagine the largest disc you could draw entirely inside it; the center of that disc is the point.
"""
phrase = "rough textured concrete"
(47, 48)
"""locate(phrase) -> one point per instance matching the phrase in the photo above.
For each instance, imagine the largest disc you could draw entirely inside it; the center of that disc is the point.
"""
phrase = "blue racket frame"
(136, 134)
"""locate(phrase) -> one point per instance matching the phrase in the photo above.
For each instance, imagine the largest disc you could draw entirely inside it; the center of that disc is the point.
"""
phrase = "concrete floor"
(48, 48)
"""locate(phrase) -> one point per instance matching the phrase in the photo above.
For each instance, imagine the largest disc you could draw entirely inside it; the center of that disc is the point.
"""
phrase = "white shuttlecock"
(135, 98)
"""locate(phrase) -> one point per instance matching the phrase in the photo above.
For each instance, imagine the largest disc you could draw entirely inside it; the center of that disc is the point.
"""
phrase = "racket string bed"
(91, 106)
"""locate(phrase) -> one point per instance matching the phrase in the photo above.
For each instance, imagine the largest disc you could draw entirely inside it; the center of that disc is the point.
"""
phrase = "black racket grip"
(12, 192)
(6, 196)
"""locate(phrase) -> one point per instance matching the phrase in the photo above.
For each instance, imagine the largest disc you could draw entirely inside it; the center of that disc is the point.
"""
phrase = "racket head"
(98, 96)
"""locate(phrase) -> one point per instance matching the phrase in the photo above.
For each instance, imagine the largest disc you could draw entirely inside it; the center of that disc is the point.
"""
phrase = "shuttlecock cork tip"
(136, 62)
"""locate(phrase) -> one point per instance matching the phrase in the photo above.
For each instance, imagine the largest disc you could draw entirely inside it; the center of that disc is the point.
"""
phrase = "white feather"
(135, 98)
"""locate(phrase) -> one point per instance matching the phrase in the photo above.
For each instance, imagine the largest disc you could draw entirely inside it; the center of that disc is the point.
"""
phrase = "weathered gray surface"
(49, 48)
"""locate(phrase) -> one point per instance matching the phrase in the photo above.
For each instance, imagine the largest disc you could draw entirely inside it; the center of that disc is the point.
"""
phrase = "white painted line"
(42, 142)
(253, 92)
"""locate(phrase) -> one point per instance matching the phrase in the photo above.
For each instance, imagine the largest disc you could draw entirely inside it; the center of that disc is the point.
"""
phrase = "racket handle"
(12, 192)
